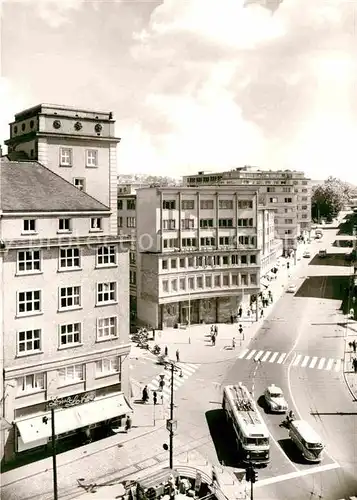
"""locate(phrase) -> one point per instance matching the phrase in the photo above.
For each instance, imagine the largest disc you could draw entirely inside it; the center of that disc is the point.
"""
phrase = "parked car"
(291, 289)
(274, 399)
(322, 254)
(306, 255)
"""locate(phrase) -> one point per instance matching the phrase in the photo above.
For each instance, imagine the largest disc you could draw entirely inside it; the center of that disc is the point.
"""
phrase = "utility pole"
(172, 417)
(53, 442)
(251, 476)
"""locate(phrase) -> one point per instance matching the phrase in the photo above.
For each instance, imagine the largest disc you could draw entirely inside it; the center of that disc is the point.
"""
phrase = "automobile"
(318, 236)
(322, 254)
(291, 289)
(274, 399)
(314, 226)
(306, 255)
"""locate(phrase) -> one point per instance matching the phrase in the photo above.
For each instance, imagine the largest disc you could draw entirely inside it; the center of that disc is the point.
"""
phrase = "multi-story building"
(286, 192)
(199, 252)
(64, 281)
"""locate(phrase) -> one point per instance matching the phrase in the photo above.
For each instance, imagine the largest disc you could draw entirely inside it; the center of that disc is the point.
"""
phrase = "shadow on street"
(223, 437)
(347, 226)
(343, 243)
(291, 450)
(325, 287)
(331, 259)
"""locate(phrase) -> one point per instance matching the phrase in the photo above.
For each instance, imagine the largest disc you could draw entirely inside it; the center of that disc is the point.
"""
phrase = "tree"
(329, 198)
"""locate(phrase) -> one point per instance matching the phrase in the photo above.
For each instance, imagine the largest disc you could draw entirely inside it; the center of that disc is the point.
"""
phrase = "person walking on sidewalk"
(262, 313)
(177, 355)
(233, 343)
(128, 424)
(166, 351)
(354, 346)
(240, 311)
(145, 394)
(354, 364)
(213, 338)
(216, 331)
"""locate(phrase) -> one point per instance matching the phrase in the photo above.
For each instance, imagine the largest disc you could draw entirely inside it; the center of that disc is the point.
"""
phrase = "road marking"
(266, 356)
(242, 354)
(321, 363)
(272, 359)
(251, 354)
(281, 359)
(297, 359)
(329, 364)
(294, 475)
(258, 355)
(338, 365)
(304, 363)
(313, 362)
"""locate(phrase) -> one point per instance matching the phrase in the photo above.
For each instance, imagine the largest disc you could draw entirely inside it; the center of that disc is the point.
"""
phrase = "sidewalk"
(348, 372)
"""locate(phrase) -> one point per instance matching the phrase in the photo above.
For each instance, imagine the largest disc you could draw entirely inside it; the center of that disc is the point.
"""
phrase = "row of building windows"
(130, 222)
(65, 225)
(66, 157)
(208, 281)
(30, 261)
(31, 302)
(67, 375)
(130, 204)
(207, 204)
(69, 335)
(208, 241)
(208, 261)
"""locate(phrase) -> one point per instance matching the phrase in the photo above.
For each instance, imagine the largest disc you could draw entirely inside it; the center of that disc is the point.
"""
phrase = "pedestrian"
(232, 319)
(354, 364)
(350, 345)
(240, 329)
(262, 313)
(153, 333)
(145, 394)
(248, 312)
(154, 396)
(166, 351)
(128, 423)
(213, 340)
(177, 355)
(354, 345)
(240, 311)
(233, 343)
(216, 331)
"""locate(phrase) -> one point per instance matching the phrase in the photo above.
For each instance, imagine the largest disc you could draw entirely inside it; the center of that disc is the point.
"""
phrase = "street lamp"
(171, 424)
(53, 439)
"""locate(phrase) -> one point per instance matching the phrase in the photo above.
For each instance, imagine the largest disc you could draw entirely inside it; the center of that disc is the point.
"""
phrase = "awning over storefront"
(67, 419)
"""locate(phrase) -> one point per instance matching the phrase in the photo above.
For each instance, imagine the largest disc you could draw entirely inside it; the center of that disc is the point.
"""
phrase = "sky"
(194, 84)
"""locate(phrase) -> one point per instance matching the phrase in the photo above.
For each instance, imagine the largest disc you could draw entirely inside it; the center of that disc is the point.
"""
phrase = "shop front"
(80, 419)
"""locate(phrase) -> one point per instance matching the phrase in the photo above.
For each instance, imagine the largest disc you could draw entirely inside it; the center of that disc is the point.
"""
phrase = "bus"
(251, 433)
(307, 440)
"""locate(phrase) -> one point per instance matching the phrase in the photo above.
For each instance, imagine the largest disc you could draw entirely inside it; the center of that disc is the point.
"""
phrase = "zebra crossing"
(300, 360)
(185, 371)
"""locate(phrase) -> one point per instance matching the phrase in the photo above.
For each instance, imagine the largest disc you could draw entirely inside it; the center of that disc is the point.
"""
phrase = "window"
(132, 258)
(208, 242)
(253, 259)
(226, 280)
(107, 256)
(65, 157)
(174, 285)
(187, 224)
(96, 224)
(206, 222)
(235, 260)
(70, 258)
(182, 262)
(188, 204)
(71, 374)
(120, 221)
(69, 334)
(106, 292)
(188, 242)
(29, 225)
(208, 281)
(28, 261)
(171, 243)
(226, 204)
(165, 286)
(206, 204)
(169, 224)
(288, 200)
(120, 204)
(182, 283)
(91, 158)
(80, 183)
(107, 328)
(190, 262)
(199, 261)
(29, 341)
(70, 297)
(191, 283)
(131, 204)
(303, 207)
(288, 231)
(164, 264)
(243, 259)
(30, 383)
(199, 282)
(304, 190)
(64, 225)
(107, 366)
(29, 302)
(225, 240)
(131, 222)
(217, 280)
(271, 190)
(173, 264)
(304, 198)
(288, 221)
(286, 190)
(132, 277)
(244, 204)
(253, 279)
(245, 222)
(243, 280)
(225, 223)
(169, 204)
(234, 278)
(273, 200)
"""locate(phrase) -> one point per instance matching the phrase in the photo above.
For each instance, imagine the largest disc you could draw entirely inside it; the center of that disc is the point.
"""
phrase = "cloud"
(55, 13)
(235, 84)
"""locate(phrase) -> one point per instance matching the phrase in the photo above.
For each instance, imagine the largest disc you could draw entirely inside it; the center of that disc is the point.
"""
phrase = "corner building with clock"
(64, 274)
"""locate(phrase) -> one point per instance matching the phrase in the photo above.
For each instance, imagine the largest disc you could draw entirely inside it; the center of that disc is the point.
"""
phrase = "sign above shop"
(69, 401)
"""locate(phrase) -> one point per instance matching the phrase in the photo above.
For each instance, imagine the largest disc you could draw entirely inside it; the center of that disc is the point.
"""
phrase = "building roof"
(28, 186)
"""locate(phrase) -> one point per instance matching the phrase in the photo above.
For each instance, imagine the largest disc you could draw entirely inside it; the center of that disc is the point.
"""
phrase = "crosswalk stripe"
(187, 368)
(338, 365)
(281, 358)
(242, 354)
(305, 360)
(297, 359)
(313, 362)
(258, 355)
(329, 364)
(266, 356)
(251, 354)
(321, 363)
(272, 359)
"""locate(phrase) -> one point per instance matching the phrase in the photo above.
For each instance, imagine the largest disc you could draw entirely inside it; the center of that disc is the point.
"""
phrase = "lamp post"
(53, 442)
(171, 424)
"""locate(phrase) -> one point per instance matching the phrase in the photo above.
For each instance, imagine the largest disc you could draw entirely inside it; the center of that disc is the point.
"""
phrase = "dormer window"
(64, 225)
(29, 226)
(91, 158)
(65, 157)
(96, 224)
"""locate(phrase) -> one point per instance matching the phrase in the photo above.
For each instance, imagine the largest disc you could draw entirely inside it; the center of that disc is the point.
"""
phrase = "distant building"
(200, 252)
(286, 192)
(64, 271)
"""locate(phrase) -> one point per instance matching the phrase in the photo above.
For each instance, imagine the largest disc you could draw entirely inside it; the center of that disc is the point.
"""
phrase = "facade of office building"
(286, 192)
(199, 252)
(65, 273)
